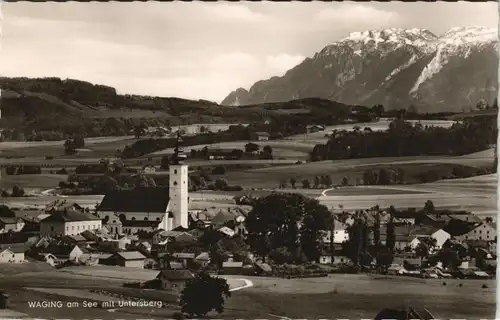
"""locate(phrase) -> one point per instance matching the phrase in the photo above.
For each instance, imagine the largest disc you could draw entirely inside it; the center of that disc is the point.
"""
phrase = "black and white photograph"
(248, 160)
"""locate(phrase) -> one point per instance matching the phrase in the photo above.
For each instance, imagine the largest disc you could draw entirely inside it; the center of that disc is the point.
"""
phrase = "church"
(148, 208)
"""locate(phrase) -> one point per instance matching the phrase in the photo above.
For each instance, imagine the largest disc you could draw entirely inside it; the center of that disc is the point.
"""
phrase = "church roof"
(70, 216)
(143, 199)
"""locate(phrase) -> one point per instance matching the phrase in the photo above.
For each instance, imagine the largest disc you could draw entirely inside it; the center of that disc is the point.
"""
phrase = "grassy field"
(32, 181)
(281, 148)
(361, 297)
(353, 169)
(337, 296)
(94, 148)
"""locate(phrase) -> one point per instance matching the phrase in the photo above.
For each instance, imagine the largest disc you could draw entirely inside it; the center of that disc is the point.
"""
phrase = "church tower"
(178, 189)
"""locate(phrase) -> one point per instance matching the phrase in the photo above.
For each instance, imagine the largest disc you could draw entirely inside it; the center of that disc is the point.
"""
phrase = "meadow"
(344, 296)
(361, 297)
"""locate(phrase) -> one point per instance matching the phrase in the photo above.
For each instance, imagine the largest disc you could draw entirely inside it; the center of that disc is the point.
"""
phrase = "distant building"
(12, 255)
(224, 154)
(68, 222)
(129, 259)
(485, 231)
(262, 136)
(149, 169)
(174, 280)
(315, 128)
(11, 224)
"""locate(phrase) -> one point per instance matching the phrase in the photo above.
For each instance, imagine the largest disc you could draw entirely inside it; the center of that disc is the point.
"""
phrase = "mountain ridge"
(362, 68)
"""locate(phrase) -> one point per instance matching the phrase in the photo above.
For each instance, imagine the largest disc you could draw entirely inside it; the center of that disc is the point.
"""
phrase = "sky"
(198, 50)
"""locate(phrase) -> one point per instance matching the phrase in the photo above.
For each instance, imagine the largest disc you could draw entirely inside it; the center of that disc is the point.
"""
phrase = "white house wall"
(68, 228)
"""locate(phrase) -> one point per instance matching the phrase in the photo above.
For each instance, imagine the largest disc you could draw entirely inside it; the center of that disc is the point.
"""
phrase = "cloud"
(226, 11)
(348, 13)
(279, 64)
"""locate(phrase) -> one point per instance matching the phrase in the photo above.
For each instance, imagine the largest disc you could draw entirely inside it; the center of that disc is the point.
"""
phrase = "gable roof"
(14, 247)
(458, 227)
(9, 220)
(173, 274)
(143, 199)
(70, 215)
(131, 255)
(75, 237)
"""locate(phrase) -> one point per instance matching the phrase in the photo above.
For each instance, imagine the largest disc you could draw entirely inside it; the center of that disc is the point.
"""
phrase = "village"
(153, 228)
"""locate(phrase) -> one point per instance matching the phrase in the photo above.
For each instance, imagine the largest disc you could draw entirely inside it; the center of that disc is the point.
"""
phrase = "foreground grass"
(360, 296)
(337, 296)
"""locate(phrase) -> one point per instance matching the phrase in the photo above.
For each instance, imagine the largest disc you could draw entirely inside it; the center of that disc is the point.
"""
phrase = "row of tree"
(405, 139)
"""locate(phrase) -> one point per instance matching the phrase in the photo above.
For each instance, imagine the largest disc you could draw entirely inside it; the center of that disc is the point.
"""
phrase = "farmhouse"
(11, 224)
(262, 136)
(129, 259)
(315, 128)
(439, 235)
(174, 280)
(65, 252)
(485, 231)
(68, 222)
(12, 254)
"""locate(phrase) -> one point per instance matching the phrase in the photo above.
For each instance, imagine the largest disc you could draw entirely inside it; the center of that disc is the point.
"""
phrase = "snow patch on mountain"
(457, 41)
(412, 60)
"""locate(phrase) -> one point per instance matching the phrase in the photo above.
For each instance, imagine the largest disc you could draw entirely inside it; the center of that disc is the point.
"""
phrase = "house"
(31, 224)
(174, 280)
(183, 257)
(144, 247)
(340, 234)
(105, 258)
(395, 269)
(115, 244)
(65, 252)
(129, 259)
(262, 268)
(50, 259)
(162, 237)
(14, 254)
(227, 231)
(203, 258)
(11, 224)
(68, 222)
(419, 234)
(486, 231)
(134, 212)
(262, 136)
(223, 154)
(199, 220)
(74, 239)
(227, 215)
(232, 267)
(149, 169)
(338, 258)
(315, 128)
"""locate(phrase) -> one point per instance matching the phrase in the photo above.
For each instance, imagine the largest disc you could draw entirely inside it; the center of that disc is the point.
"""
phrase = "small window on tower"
(175, 183)
(175, 171)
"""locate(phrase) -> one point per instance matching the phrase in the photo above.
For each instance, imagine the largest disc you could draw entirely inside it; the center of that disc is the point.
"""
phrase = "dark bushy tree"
(203, 294)
(287, 220)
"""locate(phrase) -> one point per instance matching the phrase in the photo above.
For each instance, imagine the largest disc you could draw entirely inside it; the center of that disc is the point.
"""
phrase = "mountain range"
(398, 68)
